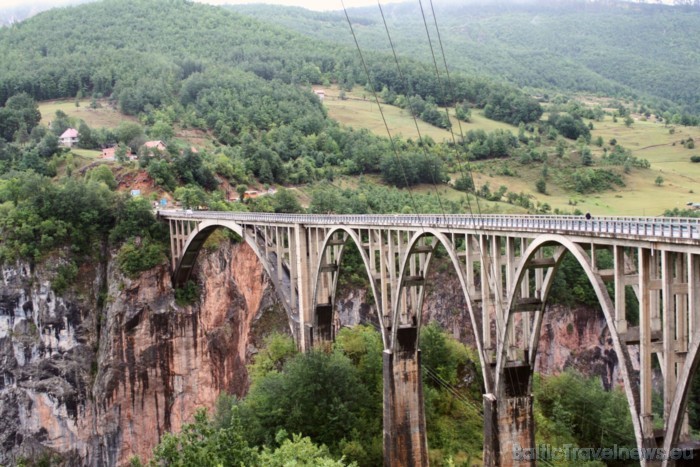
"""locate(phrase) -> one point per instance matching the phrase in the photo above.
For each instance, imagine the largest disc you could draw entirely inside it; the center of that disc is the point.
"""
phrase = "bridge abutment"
(405, 437)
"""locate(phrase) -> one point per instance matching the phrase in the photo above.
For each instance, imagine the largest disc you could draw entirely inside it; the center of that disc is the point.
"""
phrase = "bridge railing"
(647, 227)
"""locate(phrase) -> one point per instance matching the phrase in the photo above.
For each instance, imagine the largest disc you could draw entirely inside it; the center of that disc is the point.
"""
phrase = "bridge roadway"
(505, 266)
(646, 228)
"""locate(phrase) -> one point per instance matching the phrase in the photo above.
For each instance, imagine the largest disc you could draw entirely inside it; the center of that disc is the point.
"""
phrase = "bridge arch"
(596, 281)
(680, 399)
(416, 245)
(330, 241)
(193, 245)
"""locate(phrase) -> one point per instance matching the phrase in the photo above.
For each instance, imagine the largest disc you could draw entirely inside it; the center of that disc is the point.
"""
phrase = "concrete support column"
(303, 276)
(620, 283)
(509, 424)
(405, 438)
(645, 350)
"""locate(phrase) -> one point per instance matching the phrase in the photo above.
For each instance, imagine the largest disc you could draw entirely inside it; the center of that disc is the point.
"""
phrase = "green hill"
(182, 71)
(638, 51)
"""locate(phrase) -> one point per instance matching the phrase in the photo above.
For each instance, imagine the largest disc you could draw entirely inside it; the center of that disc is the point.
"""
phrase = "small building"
(69, 138)
(110, 154)
(159, 145)
(693, 205)
(320, 93)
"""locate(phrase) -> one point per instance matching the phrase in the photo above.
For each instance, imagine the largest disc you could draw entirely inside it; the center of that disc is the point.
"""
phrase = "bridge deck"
(655, 229)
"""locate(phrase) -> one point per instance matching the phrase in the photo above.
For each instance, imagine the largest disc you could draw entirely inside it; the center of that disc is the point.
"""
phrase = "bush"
(187, 294)
(593, 180)
(541, 186)
(133, 259)
(65, 276)
(464, 183)
(695, 159)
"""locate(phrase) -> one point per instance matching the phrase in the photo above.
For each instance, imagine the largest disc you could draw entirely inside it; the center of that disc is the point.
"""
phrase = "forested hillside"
(611, 48)
(176, 63)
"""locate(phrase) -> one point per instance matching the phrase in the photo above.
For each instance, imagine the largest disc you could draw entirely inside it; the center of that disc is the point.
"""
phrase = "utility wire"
(499, 299)
(376, 98)
(413, 113)
(450, 86)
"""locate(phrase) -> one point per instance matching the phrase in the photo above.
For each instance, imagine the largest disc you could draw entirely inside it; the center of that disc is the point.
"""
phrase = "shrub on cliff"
(579, 408)
(133, 259)
(317, 394)
(134, 217)
(38, 215)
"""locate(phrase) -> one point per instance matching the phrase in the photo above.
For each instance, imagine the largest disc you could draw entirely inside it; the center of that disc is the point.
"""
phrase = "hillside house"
(320, 93)
(69, 138)
(159, 145)
(109, 154)
(250, 194)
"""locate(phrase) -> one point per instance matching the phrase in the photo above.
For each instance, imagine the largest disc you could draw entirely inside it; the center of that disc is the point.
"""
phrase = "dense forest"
(610, 48)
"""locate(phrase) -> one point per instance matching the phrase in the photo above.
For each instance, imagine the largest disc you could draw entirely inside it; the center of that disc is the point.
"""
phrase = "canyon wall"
(97, 374)
(571, 337)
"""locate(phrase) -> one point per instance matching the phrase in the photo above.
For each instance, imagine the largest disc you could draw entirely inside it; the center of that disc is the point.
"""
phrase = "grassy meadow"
(655, 143)
(359, 110)
(640, 195)
(103, 117)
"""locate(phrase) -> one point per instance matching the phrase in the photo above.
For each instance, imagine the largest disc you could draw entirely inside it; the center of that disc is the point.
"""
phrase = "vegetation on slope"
(333, 398)
(607, 48)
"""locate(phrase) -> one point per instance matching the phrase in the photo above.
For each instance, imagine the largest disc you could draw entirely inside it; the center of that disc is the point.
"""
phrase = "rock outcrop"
(96, 375)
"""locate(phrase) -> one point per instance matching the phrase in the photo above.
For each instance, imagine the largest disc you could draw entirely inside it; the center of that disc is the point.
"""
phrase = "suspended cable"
(450, 87)
(499, 298)
(376, 98)
(413, 114)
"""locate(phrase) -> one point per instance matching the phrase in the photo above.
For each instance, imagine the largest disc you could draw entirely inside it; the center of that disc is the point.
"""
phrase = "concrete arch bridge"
(505, 266)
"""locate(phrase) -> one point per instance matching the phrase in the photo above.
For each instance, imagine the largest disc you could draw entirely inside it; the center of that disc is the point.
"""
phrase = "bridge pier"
(509, 425)
(405, 439)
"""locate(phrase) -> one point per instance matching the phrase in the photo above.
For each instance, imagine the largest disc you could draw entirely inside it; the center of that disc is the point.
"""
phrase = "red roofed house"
(110, 154)
(68, 138)
(159, 145)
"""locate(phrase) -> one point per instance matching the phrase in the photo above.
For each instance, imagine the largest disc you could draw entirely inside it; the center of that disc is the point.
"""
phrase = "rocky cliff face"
(579, 338)
(99, 373)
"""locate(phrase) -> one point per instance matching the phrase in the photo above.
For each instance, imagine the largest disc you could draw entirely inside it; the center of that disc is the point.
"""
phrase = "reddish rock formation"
(101, 384)
(577, 338)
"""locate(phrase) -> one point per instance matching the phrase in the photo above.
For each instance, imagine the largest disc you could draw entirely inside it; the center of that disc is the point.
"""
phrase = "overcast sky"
(310, 4)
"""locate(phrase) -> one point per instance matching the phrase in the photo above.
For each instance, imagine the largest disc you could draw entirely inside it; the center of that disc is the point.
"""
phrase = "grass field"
(359, 110)
(654, 142)
(88, 154)
(104, 117)
(640, 196)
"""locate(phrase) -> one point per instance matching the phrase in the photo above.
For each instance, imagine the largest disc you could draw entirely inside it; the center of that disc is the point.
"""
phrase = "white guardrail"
(662, 228)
